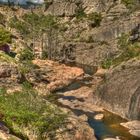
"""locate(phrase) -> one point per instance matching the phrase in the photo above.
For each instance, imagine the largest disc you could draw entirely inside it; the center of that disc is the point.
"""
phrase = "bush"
(96, 18)
(33, 25)
(129, 3)
(123, 41)
(80, 13)
(20, 26)
(39, 22)
(5, 36)
(107, 63)
(129, 51)
(26, 109)
(2, 19)
(6, 58)
(26, 54)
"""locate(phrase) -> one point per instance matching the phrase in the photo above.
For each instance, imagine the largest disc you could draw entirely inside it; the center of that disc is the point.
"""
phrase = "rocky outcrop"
(80, 40)
(52, 76)
(62, 8)
(80, 99)
(5, 132)
(9, 75)
(5, 136)
(133, 126)
(76, 129)
(120, 91)
(76, 40)
(83, 53)
(47, 76)
(69, 8)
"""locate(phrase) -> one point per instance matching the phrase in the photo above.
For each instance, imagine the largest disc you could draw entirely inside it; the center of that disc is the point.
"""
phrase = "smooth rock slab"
(83, 117)
(5, 136)
(99, 116)
(134, 127)
(135, 132)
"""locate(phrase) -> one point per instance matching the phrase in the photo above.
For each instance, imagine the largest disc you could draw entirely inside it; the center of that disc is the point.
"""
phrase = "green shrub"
(107, 63)
(25, 67)
(40, 22)
(26, 54)
(6, 58)
(33, 25)
(90, 39)
(2, 19)
(80, 14)
(5, 36)
(129, 3)
(128, 49)
(44, 54)
(96, 18)
(26, 109)
(20, 26)
(25, 61)
(123, 41)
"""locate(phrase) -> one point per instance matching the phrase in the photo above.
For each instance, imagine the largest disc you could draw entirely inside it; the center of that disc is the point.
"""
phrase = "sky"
(23, 2)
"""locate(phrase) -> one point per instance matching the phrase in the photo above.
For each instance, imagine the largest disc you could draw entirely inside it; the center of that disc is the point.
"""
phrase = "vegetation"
(130, 4)
(26, 54)
(2, 19)
(80, 14)
(26, 109)
(5, 36)
(96, 18)
(25, 61)
(33, 24)
(25, 67)
(36, 27)
(20, 26)
(129, 50)
(6, 58)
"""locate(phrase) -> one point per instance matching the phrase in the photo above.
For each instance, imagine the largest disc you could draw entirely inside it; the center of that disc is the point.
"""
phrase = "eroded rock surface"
(133, 126)
(77, 129)
(81, 39)
(5, 136)
(9, 76)
(120, 91)
(54, 75)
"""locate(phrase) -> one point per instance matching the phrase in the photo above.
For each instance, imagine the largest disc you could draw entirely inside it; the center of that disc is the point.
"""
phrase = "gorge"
(72, 70)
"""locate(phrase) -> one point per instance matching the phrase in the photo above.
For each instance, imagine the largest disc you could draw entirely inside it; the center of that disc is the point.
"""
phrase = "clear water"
(109, 127)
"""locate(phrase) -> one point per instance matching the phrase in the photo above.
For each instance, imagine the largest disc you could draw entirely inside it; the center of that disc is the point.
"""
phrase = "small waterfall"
(134, 108)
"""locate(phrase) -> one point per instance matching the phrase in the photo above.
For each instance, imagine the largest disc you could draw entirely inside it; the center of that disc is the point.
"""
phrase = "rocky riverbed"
(73, 91)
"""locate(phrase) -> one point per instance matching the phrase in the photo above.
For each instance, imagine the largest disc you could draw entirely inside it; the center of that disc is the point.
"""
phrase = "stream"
(108, 127)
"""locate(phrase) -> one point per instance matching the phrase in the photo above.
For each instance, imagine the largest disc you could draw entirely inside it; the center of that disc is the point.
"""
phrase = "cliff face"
(120, 91)
(87, 32)
(88, 43)
(91, 29)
